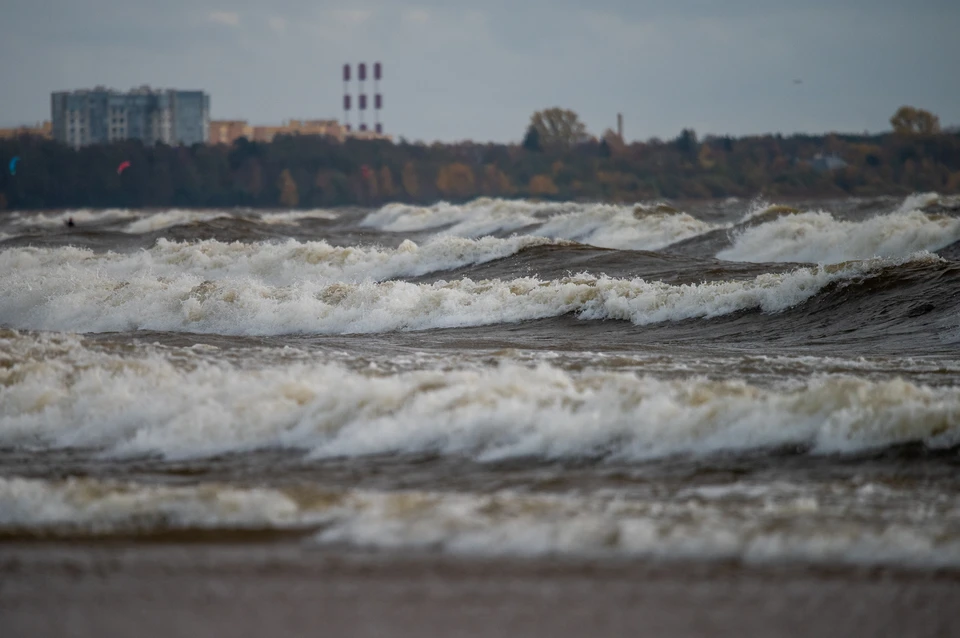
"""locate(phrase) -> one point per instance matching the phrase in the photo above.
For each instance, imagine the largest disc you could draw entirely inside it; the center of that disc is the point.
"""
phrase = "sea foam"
(736, 522)
(179, 407)
(604, 225)
(818, 237)
(68, 297)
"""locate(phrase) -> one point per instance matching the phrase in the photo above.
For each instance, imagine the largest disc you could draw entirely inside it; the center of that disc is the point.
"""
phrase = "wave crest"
(92, 299)
(156, 404)
(818, 237)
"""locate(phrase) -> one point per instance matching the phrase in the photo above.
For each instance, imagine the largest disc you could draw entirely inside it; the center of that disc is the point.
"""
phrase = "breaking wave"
(479, 217)
(68, 298)
(741, 524)
(818, 237)
(294, 216)
(603, 225)
(171, 218)
(75, 397)
(624, 227)
(277, 264)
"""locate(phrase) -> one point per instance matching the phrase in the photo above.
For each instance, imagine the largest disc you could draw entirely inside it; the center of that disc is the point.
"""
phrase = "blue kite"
(13, 165)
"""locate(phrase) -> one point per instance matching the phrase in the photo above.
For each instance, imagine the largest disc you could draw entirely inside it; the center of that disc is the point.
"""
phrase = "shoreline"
(204, 589)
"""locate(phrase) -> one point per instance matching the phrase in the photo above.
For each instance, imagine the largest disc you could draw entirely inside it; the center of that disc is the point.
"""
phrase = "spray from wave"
(473, 219)
(70, 299)
(747, 524)
(181, 407)
(276, 264)
(607, 226)
(818, 237)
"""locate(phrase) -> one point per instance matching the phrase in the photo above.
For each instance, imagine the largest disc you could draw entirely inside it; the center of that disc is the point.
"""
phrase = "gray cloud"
(458, 70)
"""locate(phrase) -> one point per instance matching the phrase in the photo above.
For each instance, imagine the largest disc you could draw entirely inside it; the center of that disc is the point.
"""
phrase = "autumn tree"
(542, 185)
(456, 180)
(409, 179)
(531, 140)
(288, 190)
(249, 177)
(495, 182)
(558, 128)
(368, 178)
(686, 142)
(386, 182)
(910, 120)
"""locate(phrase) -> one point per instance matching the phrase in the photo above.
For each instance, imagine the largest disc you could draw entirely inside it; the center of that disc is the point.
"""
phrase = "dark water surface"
(726, 380)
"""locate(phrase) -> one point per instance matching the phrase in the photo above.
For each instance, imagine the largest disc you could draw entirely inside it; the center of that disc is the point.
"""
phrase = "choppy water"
(722, 380)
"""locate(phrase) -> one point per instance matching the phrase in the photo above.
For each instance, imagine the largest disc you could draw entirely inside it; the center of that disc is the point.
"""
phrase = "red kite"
(123, 166)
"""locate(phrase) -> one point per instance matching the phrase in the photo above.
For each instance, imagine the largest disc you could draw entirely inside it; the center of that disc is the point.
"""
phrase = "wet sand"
(212, 590)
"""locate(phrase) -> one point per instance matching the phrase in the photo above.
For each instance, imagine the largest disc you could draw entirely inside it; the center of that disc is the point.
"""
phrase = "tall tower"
(377, 98)
(377, 102)
(362, 97)
(346, 96)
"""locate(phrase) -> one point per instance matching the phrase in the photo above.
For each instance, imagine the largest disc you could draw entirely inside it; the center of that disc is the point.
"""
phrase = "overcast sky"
(456, 69)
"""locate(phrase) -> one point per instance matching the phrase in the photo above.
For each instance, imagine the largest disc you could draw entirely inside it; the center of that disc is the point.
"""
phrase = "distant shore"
(306, 171)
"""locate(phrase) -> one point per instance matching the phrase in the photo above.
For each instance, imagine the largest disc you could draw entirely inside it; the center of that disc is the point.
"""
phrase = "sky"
(464, 69)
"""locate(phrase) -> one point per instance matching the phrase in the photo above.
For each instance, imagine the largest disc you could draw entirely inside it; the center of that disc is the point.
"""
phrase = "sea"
(755, 382)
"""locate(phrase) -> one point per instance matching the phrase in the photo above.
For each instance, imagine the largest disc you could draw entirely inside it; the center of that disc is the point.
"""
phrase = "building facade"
(229, 131)
(42, 129)
(101, 115)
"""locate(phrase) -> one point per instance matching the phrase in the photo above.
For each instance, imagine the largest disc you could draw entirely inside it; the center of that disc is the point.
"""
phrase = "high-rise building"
(101, 115)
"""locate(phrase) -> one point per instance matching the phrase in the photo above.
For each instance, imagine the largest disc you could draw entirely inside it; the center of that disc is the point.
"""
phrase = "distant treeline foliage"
(556, 160)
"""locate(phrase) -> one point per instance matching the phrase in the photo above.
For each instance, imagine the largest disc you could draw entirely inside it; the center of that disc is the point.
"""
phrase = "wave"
(607, 226)
(295, 216)
(919, 201)
(818, 237)
(276, 264)
(751, 524)
(37, 295)
(624, 227)
(176, 217)
(188, 406)
(139, 222)
(479, 217)
(82, 216)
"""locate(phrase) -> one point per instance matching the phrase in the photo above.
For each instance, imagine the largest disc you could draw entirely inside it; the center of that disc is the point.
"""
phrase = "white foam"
(38, 295)
(780, 523)
(60, 394)
(796, 525)
(294, 216)
(274, 263)
(95, 508)
(625, 227)
(918, 201)
(818, 237)
(603, 225)
(479, 217)
(174, 217)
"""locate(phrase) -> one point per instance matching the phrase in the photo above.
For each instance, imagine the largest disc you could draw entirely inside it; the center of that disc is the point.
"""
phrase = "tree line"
(557, 160)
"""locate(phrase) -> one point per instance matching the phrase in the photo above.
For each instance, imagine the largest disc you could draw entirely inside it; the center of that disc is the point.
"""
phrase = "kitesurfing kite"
(13, 165)
(123, 166)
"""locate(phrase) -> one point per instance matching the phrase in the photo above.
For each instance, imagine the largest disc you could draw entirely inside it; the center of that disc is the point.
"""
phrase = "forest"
(557, 160)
